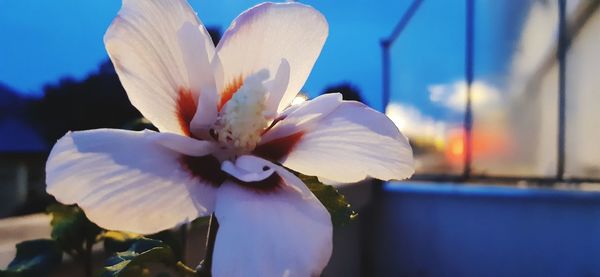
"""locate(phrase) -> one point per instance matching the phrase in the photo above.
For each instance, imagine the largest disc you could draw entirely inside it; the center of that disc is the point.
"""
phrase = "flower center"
(242, 119)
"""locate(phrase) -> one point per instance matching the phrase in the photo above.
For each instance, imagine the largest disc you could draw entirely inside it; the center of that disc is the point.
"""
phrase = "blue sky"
(44, 41)
(47, 40)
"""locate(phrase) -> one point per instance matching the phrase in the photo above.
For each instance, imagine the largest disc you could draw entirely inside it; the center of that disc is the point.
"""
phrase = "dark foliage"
(215, 34)
(99, 101)
(34, 258)
(348, 91)
(10, 101)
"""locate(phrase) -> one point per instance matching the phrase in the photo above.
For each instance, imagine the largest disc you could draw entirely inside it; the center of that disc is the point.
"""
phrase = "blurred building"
(522, 63)
(536, 85)
(22, 153)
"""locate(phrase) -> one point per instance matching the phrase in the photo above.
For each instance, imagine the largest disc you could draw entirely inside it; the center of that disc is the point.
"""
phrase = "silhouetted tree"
(348, 91)
(99, 101)
(13, 103)
(215, 34)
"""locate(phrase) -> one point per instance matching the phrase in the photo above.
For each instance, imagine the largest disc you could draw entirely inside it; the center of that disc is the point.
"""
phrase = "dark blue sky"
(46, 40)
(43, 41)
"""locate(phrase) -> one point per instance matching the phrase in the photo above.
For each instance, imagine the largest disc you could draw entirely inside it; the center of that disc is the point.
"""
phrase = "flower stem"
(205, 267)
(185, 270)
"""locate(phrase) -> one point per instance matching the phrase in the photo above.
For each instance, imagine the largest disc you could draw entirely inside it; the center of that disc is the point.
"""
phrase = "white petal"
(198, 50)
(267, 33)
(345, 145)
(156, 63)
(300, 117)
(248, 168)
(286, 232)
(277, 87)
(125, 181)
(182, 144)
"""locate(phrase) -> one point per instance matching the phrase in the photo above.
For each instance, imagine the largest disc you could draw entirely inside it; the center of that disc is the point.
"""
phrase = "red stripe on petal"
(205, 168)
(230, 90)
(278, 149)
(186, 109)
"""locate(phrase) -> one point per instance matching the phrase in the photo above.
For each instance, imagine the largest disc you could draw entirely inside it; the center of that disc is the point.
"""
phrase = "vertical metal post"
(385, 47)
(385, 98)
(563, 42)
(468, 120)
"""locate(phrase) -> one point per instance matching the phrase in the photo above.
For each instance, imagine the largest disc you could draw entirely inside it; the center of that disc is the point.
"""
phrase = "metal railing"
(566, 32)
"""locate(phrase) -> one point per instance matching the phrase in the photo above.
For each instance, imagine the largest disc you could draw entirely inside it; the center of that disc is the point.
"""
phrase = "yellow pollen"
(241, 121)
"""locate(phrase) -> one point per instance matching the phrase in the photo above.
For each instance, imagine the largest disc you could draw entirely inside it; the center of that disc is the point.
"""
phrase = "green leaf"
(34, 258)
(172, 238)
(340, 210)
(71, 228)
(139, 125)
(141, 254)
(118, 241)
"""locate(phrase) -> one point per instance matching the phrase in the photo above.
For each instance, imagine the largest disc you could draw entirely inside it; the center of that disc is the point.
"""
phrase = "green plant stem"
(205, 268)
(185, 270)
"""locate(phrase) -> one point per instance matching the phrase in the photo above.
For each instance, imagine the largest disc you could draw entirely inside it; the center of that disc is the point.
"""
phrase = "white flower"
(227, 135)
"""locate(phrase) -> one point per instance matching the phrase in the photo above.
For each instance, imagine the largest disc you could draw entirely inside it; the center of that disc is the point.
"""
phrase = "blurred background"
(498, 98)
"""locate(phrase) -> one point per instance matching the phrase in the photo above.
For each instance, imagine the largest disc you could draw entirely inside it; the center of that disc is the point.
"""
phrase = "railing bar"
(385, 46)
(561, 56)
(469, 53)
(406, 17)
